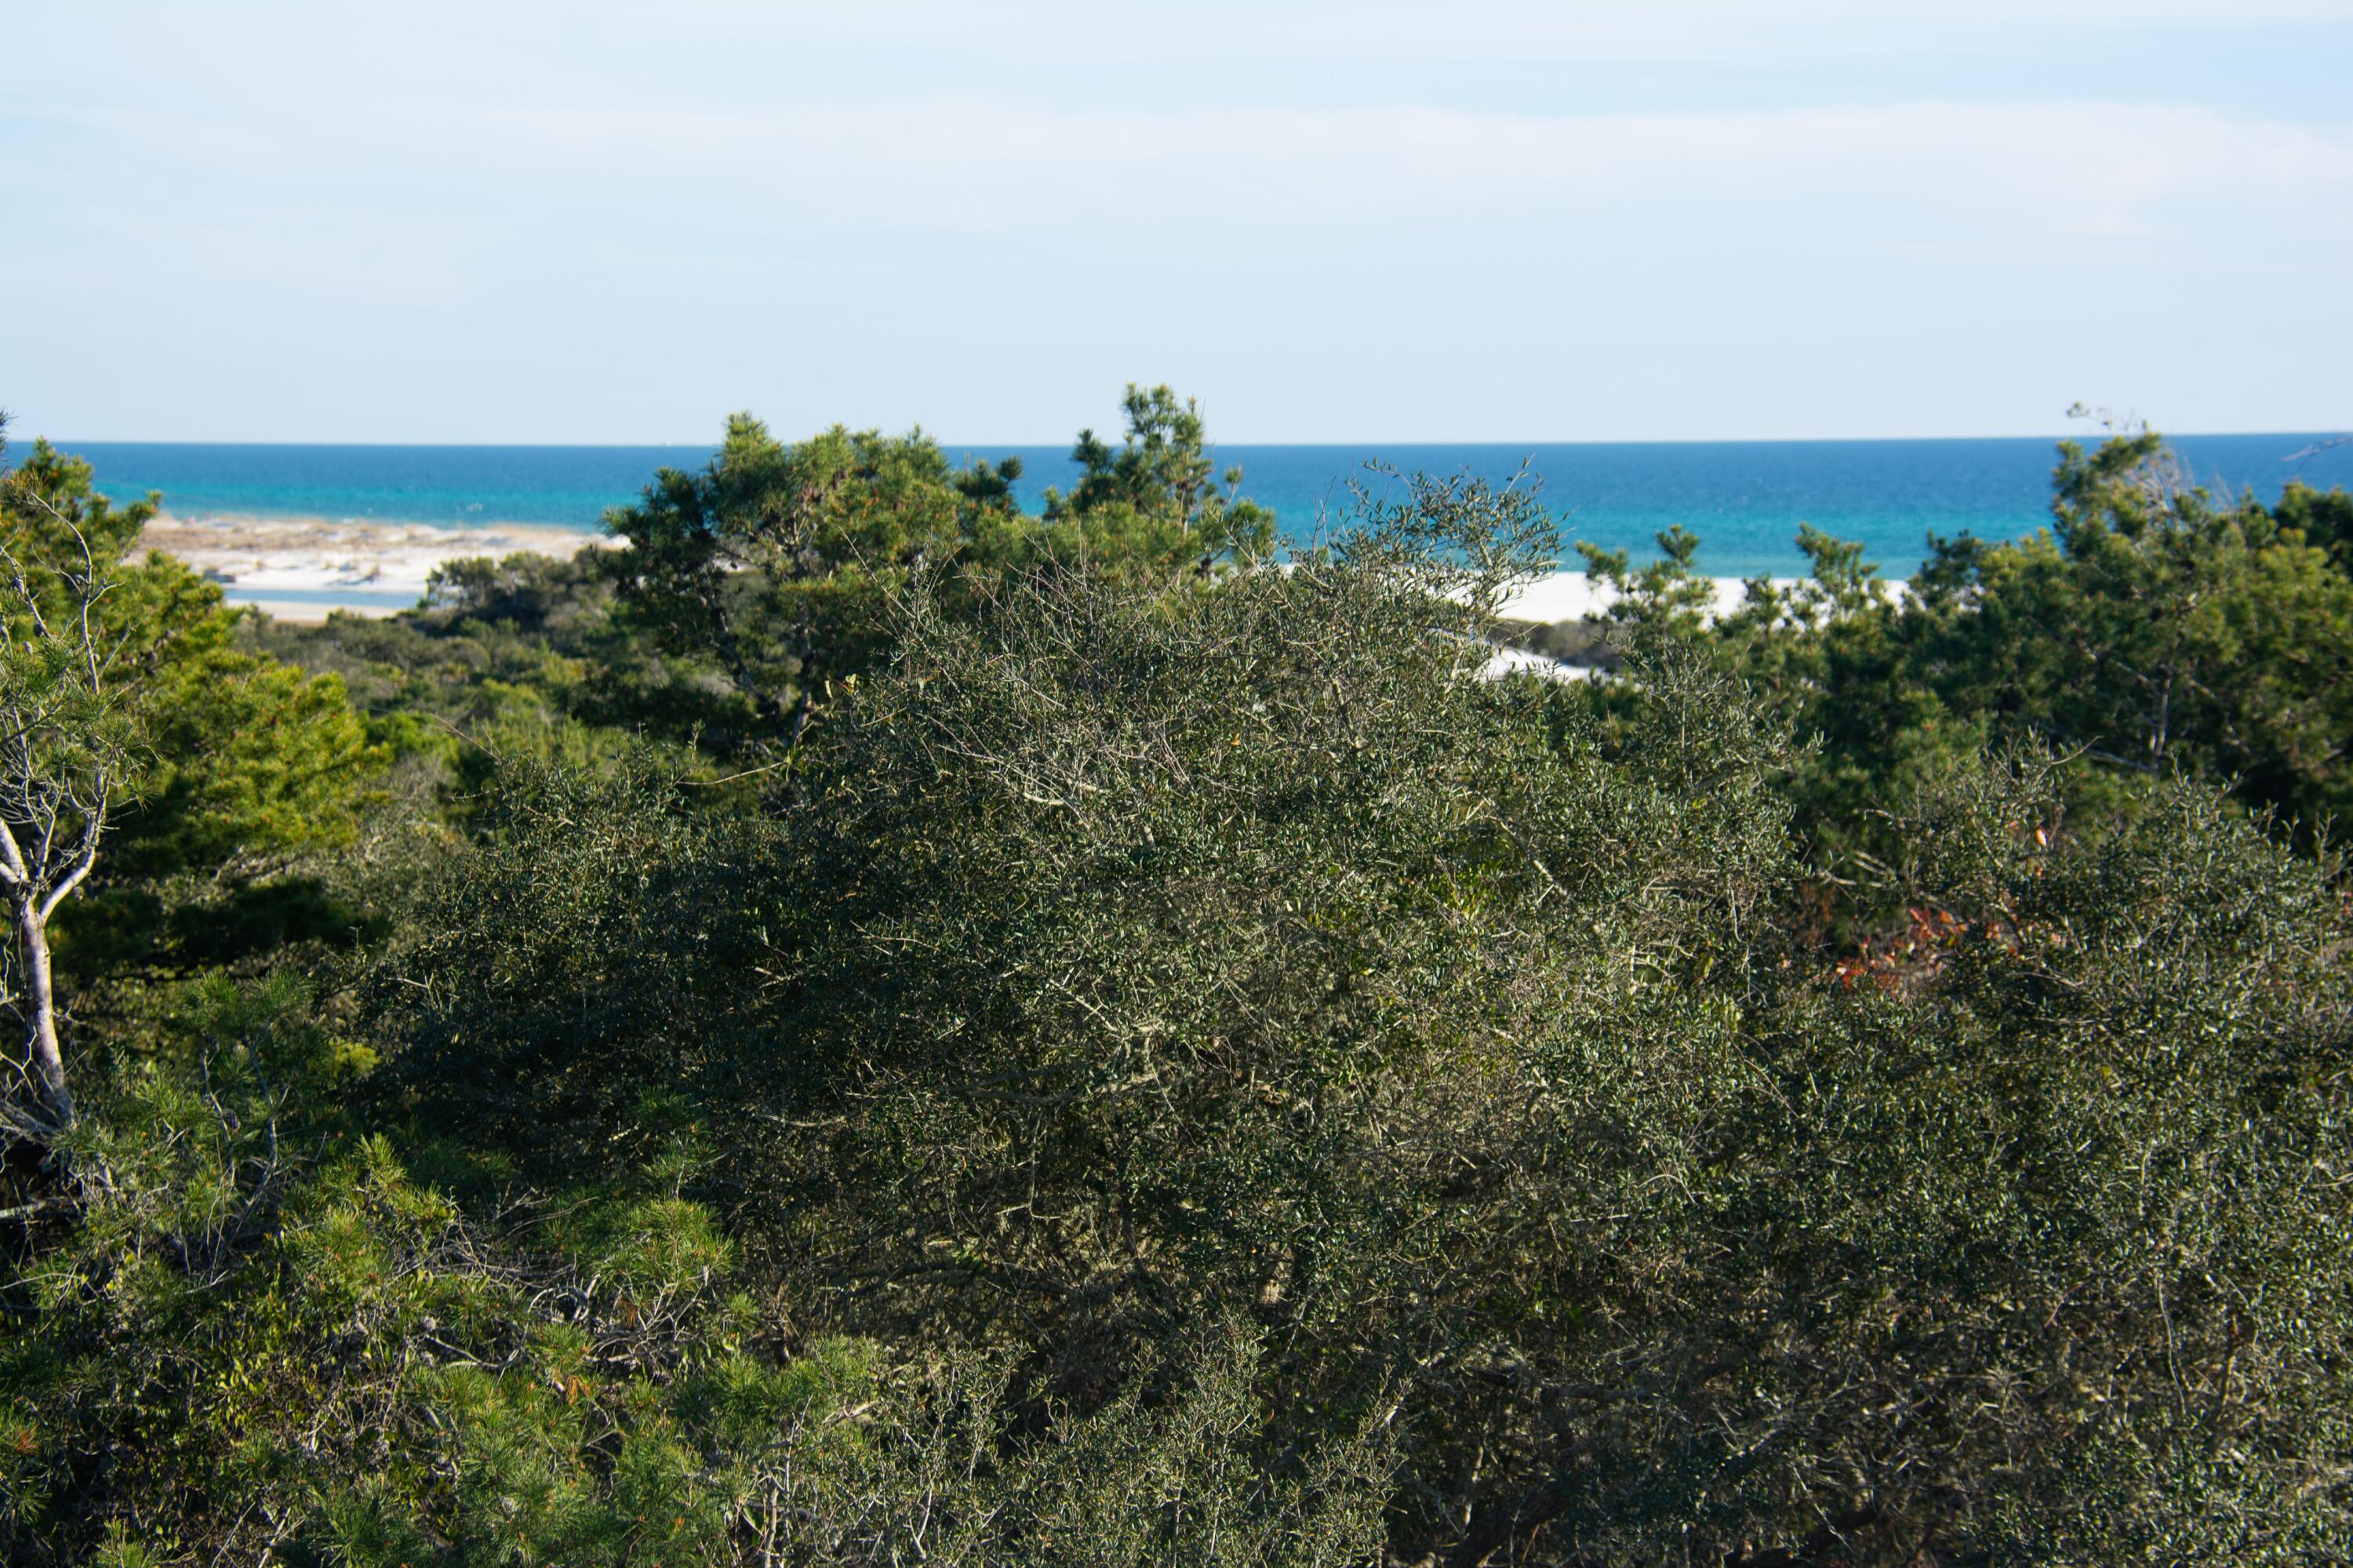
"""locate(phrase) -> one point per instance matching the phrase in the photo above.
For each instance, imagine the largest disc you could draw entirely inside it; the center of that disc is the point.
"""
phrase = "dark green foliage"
(519, 658)
(2322, 519)
(1128, 960)
(601, 939)
(772, 562)
(264, 1339)
(1581, 644)
(2151, 631)
(1178, 1067)
(2155, 630)
(242, 771)
(1155, 497)
(524, 593)
(54, 514)
(775, 567)
(1453, 1031)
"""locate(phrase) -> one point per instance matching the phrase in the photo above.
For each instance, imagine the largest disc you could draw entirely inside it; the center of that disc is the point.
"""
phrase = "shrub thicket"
(1173, 1066)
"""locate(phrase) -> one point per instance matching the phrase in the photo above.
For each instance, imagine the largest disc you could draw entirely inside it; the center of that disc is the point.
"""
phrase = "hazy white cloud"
(1037, 31)
(606, 221)
(704, 51)
(2033, 185)
(2010, 180)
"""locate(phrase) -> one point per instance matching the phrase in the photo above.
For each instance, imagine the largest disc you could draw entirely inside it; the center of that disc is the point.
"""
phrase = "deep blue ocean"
(1744, 499)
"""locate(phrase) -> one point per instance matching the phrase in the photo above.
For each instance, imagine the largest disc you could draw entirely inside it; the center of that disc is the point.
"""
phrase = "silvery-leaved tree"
(63, 754)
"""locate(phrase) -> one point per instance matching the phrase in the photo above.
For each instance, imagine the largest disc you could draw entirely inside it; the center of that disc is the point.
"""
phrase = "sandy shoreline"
(303, 568)
(1573, 596)
(299, 568)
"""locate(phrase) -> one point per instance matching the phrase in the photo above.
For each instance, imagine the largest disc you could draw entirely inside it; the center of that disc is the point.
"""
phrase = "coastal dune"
(1572, 596)
(302, 568)
(305, 569)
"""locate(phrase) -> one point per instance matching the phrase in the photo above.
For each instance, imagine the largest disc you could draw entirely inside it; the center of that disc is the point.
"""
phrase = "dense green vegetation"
(869, 1027)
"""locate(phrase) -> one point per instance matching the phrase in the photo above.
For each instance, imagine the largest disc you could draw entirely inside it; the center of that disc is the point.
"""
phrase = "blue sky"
(1475, 220)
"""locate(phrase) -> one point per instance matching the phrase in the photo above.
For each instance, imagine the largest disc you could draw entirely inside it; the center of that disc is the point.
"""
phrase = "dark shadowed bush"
(1181, 1069)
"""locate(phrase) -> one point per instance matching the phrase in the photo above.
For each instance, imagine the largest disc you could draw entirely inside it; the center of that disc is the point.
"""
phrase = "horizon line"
(2315, 432)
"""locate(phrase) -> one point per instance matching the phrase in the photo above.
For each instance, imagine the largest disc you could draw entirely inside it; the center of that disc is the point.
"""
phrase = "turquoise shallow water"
(1744, 499)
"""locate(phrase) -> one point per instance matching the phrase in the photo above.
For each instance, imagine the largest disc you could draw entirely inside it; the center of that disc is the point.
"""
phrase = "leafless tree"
(64, 753)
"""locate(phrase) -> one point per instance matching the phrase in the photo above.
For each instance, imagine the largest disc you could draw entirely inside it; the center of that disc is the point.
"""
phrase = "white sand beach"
(303, 568)
(1572, 596)
(300, 568)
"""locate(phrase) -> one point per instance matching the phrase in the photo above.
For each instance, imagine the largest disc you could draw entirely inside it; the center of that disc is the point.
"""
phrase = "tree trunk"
(40, 995)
